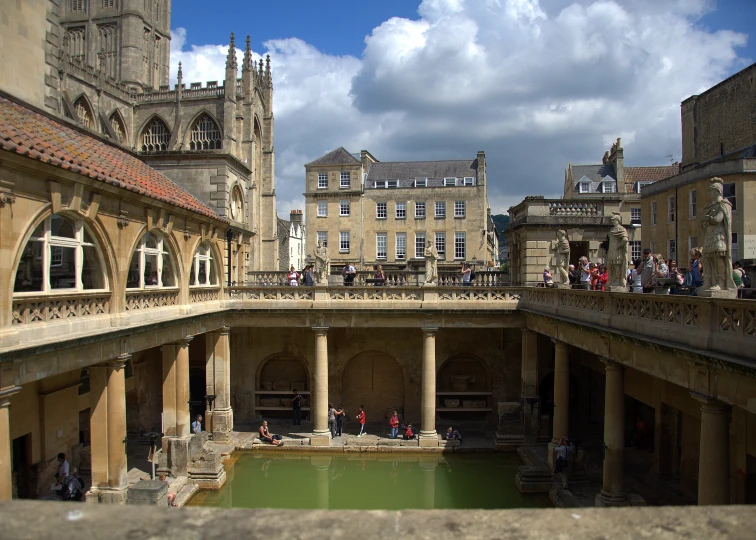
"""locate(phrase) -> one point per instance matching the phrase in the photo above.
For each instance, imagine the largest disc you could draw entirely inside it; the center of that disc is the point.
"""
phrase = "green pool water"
(370, 482)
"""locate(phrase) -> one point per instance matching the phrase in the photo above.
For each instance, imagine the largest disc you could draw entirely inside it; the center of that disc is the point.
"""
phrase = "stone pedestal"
(533, 479)
(149, 492)
(430, 293)
(321, 435)
(428, 436)
(714, 454)
(174, 459)
(717, 293)
(205, 467)
(612, 492)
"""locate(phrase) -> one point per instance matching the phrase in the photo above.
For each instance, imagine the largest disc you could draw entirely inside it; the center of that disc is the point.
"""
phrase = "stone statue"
(322, 264)
(562, 249)
(431, 262)
(617, 256)
(716, 223)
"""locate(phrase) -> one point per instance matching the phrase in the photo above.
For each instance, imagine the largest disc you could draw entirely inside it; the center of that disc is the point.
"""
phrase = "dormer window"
(450, 182)
(421, 182)
(469, 181)
(608, 187)
(640, 185)
(584, 187)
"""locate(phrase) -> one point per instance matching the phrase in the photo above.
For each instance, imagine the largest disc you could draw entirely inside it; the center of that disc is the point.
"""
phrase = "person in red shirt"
(361, 418)
(409, 432)
(394, 424)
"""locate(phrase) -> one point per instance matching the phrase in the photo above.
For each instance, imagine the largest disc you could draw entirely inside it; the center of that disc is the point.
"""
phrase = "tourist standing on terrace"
(296, 406)
(585, 273)
(361, 418)
(293, 277)
(331, 419)
(309, 279)
(349, 272)
(197, 425)
(340, 417)
(647, 272)
(394, 424)
(466, 274)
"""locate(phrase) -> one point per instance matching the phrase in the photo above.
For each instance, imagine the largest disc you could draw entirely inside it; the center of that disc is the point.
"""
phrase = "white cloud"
(534, 84)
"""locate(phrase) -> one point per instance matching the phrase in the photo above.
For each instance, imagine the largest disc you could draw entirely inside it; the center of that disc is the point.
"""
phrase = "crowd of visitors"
(652, 273)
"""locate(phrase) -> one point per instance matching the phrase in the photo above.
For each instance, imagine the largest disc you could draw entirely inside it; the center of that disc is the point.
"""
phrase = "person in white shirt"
(63, 468)
(585, 272)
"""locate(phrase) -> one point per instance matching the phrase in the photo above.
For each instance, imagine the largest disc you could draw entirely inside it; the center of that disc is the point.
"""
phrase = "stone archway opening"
(277, 379)
(464, 391)
(376, 380)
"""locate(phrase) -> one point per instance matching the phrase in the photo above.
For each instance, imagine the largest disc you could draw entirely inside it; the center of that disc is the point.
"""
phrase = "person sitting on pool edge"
(409, 432)
(265, 436)
(452, 435)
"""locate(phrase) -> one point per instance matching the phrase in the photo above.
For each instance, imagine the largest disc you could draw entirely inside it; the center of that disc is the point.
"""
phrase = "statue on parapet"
(617, 255)
(322, 263)
(716, 223)
(562, 250)
(431, 262)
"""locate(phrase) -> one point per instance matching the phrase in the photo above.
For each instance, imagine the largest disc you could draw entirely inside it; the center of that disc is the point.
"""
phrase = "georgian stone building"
(718, 139)
(371, 212)
(105, 65)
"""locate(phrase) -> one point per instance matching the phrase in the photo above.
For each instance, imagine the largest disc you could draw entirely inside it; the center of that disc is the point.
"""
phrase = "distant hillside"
(501, 221)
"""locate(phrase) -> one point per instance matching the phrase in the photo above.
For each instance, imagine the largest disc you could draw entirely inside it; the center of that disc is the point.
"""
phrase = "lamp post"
(229, 239)
(152, 435)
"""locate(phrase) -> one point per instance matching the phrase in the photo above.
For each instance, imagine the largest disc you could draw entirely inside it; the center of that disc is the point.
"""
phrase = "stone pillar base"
(717, 293)
(208, 480)
(320, 438)
(606, 499)
(428, 440)
(108, 496)
(617, 288)
(223, 424)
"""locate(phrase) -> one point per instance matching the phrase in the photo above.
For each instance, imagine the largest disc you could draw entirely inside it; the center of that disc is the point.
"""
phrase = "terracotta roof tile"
(27, 132)
(648, 174)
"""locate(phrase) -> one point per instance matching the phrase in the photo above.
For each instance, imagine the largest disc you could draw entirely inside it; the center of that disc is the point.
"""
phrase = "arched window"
(77, 44)
(60, 255)
(203, 272)
(116, 122)
(151, 265)
(205, 134)
(155, 137)
(236, 207)
(84, 112)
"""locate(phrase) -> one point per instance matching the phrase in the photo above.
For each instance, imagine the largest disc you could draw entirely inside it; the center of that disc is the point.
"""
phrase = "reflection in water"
(370, 482)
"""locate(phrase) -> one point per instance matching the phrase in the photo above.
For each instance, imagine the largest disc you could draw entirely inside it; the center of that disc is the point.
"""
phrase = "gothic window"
(84, 113)
(205, 134)
(237, 205)
(155, 137)
(77, 46)
(151, 265)
(203, 272)
(77, 5)
(108, 47)
(109, 3)
(61, 254)
(116, 122)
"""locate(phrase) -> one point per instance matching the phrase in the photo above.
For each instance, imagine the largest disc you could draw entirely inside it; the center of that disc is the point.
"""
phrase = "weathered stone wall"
(720, 120)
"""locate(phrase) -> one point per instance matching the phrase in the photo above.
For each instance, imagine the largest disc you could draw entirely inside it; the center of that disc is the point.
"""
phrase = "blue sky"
(537, 84)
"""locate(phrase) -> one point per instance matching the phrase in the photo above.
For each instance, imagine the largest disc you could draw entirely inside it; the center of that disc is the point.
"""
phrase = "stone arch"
(464, 382)
(281, 372)
(84, 112)
(175, 257)
(119, 126)
(101, 242)
(204, 132)
(374, 379)
(154, 135)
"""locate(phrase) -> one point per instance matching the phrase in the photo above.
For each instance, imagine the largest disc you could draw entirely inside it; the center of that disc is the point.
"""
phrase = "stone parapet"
(103, 522)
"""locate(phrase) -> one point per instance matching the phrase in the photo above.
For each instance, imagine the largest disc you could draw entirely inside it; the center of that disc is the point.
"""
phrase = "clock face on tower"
(236, 204)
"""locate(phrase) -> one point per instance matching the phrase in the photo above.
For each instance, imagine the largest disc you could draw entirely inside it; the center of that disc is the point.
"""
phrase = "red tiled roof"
(36, 136)
(647, 174)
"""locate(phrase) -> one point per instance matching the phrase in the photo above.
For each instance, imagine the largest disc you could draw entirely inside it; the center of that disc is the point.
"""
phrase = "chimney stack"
(295, 216)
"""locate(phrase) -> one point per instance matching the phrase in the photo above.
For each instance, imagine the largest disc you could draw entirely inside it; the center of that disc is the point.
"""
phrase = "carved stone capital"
(6, 197)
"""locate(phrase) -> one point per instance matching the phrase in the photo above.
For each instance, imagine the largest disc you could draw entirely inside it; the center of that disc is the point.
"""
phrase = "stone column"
(561, 397)
(321, 435)
(714, 456)
(116, 417)
(531, 402)
(429, 482)
(322, 466)
(183, 422)
(169, 389)
(222, 414)
(612, 492)
(428, 435)
(6, 479)
(98, 429)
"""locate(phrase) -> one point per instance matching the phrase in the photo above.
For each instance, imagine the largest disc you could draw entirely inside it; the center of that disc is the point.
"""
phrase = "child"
(361, 418)
(409, 432)
(394, 424)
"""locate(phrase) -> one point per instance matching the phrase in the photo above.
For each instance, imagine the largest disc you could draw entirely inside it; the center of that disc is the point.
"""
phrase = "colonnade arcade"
(507, 361)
